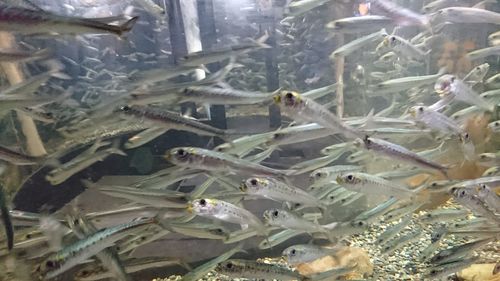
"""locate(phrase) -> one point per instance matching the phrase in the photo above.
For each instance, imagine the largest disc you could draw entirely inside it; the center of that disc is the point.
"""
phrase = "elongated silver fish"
(256, 270)
(467, 15)
(285, 219)
(456, 252)
(81, 250)
(303, 109)
(358, 43)
(369, 184)
(221, 210)
(489, 196)
(304, 253)
(359, 24)
(444, 270)
(276, 190)
(466, 197)
(400, 153)
(401, 15)
(449, 84)
(28, 21)
(198, 158)
(170, 120)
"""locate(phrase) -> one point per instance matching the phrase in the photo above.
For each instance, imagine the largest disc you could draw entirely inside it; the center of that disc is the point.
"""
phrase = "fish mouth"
(277, 99)
(190, 208)
(339, 180)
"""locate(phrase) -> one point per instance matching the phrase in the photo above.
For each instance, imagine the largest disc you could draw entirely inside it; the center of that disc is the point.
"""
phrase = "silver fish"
(369, 184)
(467, 15)
(218, 209)
(197, 158)
(303, 109)
(359, 24)
(28, 21)
(304, 253)
(276, 190)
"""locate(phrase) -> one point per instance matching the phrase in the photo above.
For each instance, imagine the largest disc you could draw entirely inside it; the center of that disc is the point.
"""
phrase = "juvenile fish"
(450, 85)
(443, 215)
(357, 44)
(327, 174)
(84, 249)
(218, 209)
(405, 83)
(256, 270)
(444, 270)
(306, 110)
(285, 219)
(198, 158)
(213, 95)
(466, 197)
(467, 15)
(369, 184)
(489, 196)
(359, 24)
(455, 253)
(400, 153)
(304, 253)
(400, 15)
(392, 231)
(404, 48)
(399, 242)
(27, 21)
(170, 120)
(276, 190)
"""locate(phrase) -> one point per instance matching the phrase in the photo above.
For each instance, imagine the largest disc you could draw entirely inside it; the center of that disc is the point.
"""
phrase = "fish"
(27, 21)
(494, 39)
(229, 96)
(198, 158)
(449, 84)
(17, 158)
(212, 264)
(400, 153)
(488, 195)
(369, 184)
(70, 256)
(326, 174)
(443, 215)
(435, 120)
(483, 53)
(81, 162)
(489, 159)
(12, 55)
(477, 74)
(466, 198)
(297, 8)
(6, 219)
(444, 270)
(279, 237)
(392, 231)
(402, 240)
(404, 48)
(359, 24)
(206, 57)
(199, 230)
(289, 220)
(306, 110)
(93, 272)
(218, 209)
(170, 120)
(305, 253)
(494, 126)
(373, 213)
(276, 190)
(257, 270)
(466, 15)
(108, 257)
(357, 44)
(405, 83)
(493, 82)
(155, 198)
(400, 15)
(144, 137)
(493, 171)
(459, 251)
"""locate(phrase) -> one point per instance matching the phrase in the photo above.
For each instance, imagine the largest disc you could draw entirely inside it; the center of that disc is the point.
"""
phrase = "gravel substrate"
(403, 263)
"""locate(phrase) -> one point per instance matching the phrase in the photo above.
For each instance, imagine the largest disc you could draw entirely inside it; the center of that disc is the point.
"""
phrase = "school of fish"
(385, 163)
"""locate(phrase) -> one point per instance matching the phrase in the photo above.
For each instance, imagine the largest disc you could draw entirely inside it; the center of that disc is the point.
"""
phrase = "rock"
(479, 272)
(348, 256)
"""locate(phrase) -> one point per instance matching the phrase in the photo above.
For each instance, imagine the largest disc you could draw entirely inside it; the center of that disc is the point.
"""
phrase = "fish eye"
(125, 108)
(434, 184)
(452, 79)
(85, 272)
(49, 264)
(253, 182)
(350, 177)
(317, 175)
(219, 230)
(463, 193)
(181, 152)
(28, 236)
(203, 202)
(478, 68)
(393, 39)
(293, 252)
(229, 265)
(433, 272)
(360, 223)
(420, 109)
(275, 213)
